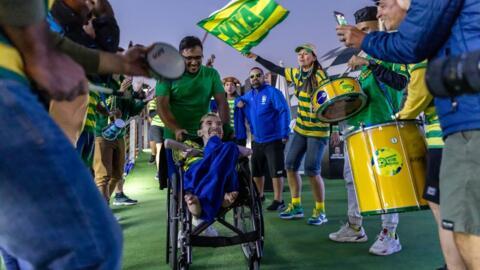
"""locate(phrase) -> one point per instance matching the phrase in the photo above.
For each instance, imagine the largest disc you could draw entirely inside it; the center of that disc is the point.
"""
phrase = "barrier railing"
(136, 140)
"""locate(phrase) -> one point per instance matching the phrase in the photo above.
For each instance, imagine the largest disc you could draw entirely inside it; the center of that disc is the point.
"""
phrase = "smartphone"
(340, 18)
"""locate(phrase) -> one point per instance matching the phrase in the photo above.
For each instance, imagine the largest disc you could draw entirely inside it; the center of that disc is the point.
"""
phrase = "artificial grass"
(288, 244)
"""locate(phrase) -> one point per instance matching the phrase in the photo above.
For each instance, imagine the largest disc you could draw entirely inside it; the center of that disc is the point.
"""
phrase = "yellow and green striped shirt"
(307, 122)
(90, 121)
(156, 121)
(433, 131)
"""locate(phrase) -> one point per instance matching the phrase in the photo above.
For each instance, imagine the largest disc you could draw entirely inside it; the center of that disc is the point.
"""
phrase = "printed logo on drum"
(321, 97)
(347, 88)
(387, 161)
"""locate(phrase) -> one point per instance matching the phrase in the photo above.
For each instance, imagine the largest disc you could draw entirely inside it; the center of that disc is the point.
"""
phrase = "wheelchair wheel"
(167, 249)
(179, 226)
(249, 218)
(173, 214)
(185, 249)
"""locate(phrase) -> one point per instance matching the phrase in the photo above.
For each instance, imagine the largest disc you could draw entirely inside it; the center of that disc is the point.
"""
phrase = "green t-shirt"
(379, 106)
(190, 97)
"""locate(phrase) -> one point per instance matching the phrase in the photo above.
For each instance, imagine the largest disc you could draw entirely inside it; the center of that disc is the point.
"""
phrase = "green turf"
(289, 244)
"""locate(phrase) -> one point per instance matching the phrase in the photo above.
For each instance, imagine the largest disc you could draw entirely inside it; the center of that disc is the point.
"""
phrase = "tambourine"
(165, 61)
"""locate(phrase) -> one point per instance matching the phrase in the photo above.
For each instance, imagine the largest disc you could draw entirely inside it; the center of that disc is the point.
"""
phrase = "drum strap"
(104, 101)
(393, 108)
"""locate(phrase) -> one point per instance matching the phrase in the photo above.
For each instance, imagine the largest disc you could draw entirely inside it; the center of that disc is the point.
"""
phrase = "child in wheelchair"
(210, 180)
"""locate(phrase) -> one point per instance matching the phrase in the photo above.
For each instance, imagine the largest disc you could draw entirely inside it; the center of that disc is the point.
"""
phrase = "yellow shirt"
(307, 122)
(420, 100)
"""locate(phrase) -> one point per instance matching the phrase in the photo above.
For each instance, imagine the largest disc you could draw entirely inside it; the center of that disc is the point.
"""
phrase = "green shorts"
(460, 183)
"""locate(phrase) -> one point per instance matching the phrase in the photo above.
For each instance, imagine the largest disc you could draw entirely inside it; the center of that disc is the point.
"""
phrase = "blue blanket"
(213, 176)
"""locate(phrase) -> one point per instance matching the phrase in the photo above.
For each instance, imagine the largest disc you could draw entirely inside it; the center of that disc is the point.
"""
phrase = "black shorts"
(432, 184)
(268, 155)
(156, 134)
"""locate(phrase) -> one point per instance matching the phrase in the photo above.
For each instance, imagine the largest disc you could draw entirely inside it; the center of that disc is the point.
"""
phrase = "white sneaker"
(386, 244)
(348, 234)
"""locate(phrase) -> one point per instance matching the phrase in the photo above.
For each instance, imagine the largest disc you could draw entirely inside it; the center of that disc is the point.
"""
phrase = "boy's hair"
(189, 42)
(210, 114)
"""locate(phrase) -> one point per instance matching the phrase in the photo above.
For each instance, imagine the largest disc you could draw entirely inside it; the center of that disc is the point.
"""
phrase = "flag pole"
(204, 37)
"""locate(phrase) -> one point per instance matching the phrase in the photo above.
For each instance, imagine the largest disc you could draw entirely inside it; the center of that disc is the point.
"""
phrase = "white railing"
(136, 140)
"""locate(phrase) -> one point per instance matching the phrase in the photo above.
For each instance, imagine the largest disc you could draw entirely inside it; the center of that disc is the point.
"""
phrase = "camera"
(454, 76)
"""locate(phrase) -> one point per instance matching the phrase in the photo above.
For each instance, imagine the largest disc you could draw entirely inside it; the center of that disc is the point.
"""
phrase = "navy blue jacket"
(433, 29)
(267, 112)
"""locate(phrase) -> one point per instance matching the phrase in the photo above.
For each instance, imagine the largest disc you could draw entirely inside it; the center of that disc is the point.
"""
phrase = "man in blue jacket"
(269, 117)
(435, 29)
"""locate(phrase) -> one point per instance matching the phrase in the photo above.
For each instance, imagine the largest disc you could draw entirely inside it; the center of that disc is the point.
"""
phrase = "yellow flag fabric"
(243, 24)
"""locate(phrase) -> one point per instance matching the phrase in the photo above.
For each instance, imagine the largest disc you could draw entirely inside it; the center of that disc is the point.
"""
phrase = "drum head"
(165, 61)
(342, 107)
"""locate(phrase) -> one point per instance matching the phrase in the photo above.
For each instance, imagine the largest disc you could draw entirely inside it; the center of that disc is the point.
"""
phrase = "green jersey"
(383, 101)
(190, 97)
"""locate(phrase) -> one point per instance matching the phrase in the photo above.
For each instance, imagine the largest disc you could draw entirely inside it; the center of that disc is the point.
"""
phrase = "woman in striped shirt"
(310, 136)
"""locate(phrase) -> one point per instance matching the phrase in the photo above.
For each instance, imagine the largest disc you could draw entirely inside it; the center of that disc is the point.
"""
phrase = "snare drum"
(338, 100)
(388, 164)
(165, 61)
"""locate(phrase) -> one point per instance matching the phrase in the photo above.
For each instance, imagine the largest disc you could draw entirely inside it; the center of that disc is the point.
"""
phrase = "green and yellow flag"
(243, 24)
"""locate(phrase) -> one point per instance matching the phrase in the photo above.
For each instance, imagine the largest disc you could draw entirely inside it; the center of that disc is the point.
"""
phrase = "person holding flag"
(310, 135)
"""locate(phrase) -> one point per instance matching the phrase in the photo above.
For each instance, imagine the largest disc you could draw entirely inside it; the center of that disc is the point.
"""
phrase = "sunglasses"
(256, 75)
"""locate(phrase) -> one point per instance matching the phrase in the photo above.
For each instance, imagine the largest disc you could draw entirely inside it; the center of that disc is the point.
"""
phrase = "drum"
(111, 132)
(388, 164)
(338, 99)
(165, 61)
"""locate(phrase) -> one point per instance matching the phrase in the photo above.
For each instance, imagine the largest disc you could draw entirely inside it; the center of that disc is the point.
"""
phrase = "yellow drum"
(388, 164)
(338, 99)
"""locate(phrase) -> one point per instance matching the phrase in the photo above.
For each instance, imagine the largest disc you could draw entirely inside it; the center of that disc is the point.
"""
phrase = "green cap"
(307, 46)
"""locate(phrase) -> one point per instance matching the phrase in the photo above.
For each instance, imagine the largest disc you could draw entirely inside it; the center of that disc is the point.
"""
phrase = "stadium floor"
(289, 244)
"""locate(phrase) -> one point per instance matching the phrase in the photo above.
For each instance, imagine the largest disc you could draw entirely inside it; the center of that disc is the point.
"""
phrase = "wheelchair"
(245, 225)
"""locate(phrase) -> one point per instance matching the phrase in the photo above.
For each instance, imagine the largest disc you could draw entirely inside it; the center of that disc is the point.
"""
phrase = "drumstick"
(348, 69)
(100, 89)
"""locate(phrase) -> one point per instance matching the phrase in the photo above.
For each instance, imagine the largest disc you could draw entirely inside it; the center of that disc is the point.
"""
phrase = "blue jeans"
(52, 215)
(310, 147)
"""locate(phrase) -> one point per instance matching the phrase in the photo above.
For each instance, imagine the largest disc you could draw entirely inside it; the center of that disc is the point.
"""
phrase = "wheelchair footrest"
(223, 241)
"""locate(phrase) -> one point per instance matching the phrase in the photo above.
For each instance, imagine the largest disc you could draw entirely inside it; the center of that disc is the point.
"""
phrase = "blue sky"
(147, 21)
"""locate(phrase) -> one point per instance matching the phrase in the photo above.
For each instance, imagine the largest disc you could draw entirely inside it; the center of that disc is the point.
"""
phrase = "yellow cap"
(307, 46)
